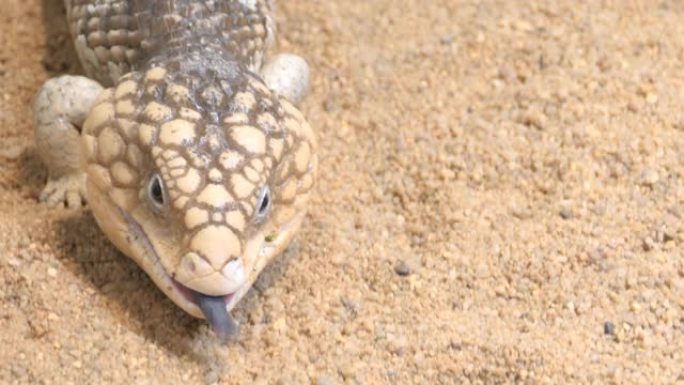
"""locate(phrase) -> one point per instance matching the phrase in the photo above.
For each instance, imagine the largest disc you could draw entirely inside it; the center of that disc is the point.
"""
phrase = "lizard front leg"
(287, 75)
(59, 110)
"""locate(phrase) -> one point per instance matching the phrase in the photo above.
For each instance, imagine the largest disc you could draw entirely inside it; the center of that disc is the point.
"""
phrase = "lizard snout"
(213, 265)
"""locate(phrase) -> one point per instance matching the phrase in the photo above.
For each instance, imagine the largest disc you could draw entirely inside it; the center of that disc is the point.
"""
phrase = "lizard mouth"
(213, 308)
(192, 295)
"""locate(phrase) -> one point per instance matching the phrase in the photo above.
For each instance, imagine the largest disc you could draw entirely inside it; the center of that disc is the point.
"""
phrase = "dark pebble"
(608, 328)
(566, 213)
(402, 268)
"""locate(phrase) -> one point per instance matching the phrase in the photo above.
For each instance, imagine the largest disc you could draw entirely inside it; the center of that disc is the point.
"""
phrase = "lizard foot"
(68, 190)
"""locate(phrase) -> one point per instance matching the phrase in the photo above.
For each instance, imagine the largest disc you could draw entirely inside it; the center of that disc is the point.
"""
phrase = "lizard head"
(200, 176)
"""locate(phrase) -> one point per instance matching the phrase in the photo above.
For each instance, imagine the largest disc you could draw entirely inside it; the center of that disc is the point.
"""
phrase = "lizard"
(184, 139)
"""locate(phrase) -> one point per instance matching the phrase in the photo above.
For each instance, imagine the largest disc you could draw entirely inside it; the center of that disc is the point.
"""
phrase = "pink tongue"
(214, 309)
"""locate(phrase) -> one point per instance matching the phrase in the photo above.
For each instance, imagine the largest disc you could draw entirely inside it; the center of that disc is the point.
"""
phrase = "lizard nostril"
(192, 264)
(235, 271)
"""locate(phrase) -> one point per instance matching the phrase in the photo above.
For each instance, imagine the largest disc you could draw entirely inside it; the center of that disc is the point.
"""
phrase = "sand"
(500, 201)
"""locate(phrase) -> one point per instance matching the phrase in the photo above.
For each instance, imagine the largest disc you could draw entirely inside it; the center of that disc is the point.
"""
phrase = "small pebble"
(402, 268)
(51, 272)
(648, 244)
(566, 213)
(211, 376)
(447, 39)
(11, 152)
(649, 177)
(608, 328)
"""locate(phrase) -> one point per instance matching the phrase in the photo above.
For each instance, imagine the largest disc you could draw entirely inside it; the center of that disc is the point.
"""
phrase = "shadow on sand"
(139, 303)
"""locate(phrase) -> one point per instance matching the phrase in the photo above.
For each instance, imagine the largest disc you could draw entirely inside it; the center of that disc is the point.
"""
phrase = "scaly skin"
(197, 168)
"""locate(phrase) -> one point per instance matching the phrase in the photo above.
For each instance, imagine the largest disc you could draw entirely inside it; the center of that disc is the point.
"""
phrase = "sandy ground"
(522, 161)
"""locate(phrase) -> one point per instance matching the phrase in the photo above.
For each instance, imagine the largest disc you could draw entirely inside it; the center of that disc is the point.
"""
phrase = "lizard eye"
(263, 204)
(155, 191)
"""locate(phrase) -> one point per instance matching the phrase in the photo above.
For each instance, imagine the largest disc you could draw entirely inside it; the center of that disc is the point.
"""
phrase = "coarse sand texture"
(500, 201)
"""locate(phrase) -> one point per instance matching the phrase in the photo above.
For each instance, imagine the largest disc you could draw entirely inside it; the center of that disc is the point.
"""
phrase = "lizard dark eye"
(155, 191)
(263, 204)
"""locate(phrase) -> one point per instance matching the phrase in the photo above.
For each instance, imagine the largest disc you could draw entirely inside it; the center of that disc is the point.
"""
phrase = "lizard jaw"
(215, 309)
(180, 294)
(129, 237)
(192, 295)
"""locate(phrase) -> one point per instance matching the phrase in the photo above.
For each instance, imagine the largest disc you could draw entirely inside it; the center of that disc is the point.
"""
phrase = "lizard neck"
(209, 70)
(232, 29)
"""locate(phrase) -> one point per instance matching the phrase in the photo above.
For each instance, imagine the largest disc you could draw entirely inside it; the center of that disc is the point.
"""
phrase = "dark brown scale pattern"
(125, 34)
(225, 84)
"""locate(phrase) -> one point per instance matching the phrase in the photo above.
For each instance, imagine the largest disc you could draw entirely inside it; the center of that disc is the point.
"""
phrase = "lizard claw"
(68, 190)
